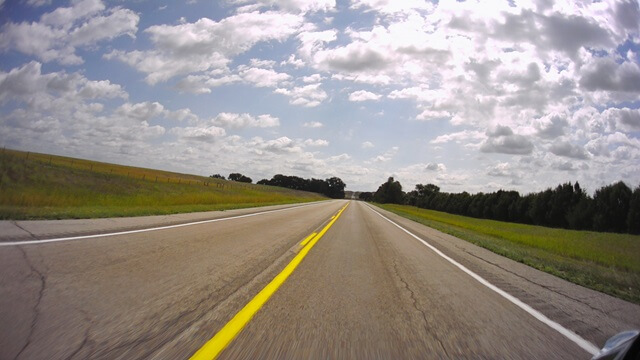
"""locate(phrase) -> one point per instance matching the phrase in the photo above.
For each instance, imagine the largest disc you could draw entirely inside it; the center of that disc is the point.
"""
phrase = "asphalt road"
(366, 289)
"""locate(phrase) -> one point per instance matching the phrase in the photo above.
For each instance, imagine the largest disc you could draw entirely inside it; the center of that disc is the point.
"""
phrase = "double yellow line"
(214, 347)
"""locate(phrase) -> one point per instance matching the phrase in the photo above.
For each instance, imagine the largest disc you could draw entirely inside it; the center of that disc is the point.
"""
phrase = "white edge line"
(577, 339)
(34, 242)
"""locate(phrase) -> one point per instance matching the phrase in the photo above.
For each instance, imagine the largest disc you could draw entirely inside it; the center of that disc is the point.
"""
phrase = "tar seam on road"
(230, 330)
(577, 339)
(35, 242)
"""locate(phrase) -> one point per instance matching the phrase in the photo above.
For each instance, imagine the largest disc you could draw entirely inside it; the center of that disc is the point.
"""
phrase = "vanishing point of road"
(334, 279)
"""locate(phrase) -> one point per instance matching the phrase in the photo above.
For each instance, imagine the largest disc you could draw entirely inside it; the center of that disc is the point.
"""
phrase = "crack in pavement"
(85, 338)
(415, 305)
(36, 307)
(538, 284)
(15, 223)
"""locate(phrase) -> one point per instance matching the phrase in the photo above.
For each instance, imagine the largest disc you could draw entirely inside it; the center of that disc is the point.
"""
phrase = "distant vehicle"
(624, 346)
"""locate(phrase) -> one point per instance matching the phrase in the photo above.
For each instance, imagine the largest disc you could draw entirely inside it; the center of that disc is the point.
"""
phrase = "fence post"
(91, 167)
(144, 176)
(156, 179)
(49, 159)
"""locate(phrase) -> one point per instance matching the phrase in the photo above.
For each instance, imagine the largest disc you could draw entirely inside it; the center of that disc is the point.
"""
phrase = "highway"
(368, 284)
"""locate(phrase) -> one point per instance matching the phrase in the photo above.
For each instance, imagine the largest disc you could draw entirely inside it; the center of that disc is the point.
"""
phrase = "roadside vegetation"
(606, 262)
(41, 186)
(612, 208)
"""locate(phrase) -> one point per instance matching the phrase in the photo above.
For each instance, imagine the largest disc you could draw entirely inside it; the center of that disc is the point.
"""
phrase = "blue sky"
(469, 95)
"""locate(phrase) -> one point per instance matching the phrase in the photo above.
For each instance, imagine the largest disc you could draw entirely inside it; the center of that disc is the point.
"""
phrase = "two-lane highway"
(366, 289)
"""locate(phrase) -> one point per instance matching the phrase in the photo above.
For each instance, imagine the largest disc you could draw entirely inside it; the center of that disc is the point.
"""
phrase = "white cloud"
(142, 111)
(206, 44)
(312, 78)
(363, 95)
(367, 145)
(317, 142)
(240, 121)
(302, 6)
(566, 149)
(503, 140)
(263, 77)
(206, 134)
(309, 95)
(386, 156)
(462, 136)
(58, 33)
(313, 124)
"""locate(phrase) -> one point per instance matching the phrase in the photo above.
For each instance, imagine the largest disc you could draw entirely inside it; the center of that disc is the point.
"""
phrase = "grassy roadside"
(40, 186)
(606, 262)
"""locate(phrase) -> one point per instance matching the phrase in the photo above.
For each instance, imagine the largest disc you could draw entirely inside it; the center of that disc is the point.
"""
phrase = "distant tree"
(365, 196)
(335, 188)
(612, 207)
(633, 217)
(217, 176)
(263, 182)
(389, 192)
(239, 177)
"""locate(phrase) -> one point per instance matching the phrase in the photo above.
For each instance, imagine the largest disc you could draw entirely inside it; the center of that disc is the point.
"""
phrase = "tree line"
(332, 187)
(612, 208)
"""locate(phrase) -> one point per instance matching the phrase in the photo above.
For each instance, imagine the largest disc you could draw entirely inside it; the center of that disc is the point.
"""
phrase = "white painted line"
(44, 241)
(577, 339)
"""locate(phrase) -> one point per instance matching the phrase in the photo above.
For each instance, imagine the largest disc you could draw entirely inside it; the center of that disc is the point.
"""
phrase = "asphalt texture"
(365, 290)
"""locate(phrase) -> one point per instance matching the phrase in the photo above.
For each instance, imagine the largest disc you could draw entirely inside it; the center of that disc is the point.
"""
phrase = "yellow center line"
(223, 338)
(307, 239)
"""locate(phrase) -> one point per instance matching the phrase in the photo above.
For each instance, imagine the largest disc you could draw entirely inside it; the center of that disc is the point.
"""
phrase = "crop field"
(41, 186)
(605, 262)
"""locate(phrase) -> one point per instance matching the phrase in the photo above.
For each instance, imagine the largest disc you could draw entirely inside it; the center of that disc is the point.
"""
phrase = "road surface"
(366, 289)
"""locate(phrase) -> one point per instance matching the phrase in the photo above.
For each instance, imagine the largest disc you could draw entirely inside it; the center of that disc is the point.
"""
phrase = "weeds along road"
(367, 288)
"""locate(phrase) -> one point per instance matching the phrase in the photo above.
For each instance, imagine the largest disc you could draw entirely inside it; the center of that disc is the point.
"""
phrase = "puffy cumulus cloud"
(262, 77)
(607, 75)
(312, 78)
(53, 91)
(313, 124)
(503, 169)
(503, 140)
(206, 44)
(363, 95)
(206, 134)
(386, 156)
(625, 119)
(308, 95)
(551, 126)
(435, 167)
(280, 145)
(296, 6)
(566, 149)
(367, 145)
(461, 136)
(59, 33)
(141, 111)
(316, 142)
(241, 121)
(391, 6)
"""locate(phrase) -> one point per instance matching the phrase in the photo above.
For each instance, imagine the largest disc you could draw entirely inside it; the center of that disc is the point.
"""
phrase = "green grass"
(41, 186)
(605, 262)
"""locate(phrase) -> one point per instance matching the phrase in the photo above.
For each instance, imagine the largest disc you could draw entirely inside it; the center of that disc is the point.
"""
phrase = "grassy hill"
(42, 186)
(605, 262)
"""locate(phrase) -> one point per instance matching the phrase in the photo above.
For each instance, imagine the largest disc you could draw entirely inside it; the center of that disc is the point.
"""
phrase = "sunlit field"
(602, 261)
(40, 186)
